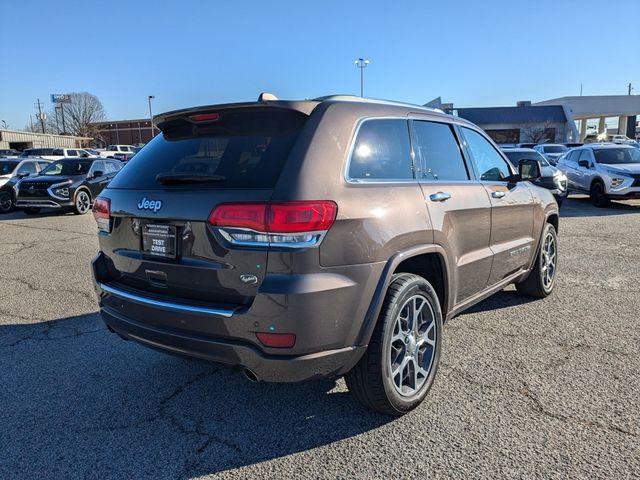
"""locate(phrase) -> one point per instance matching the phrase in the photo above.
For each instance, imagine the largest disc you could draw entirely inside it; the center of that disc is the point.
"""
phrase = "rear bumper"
(269, 368)
(325, 310)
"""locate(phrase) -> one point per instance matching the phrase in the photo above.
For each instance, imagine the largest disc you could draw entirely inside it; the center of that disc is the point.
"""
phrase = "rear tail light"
(102, 214)
(277, 340)
(286, 224)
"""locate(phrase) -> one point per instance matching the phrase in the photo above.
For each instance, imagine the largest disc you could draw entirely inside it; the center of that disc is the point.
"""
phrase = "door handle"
(439, 196)
(498, 194)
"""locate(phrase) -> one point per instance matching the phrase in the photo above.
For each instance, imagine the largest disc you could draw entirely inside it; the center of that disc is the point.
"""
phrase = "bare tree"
(80, 114)
(537, 133)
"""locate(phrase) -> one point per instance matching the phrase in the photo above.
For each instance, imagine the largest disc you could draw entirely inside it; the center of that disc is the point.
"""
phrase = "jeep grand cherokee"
(327, 237)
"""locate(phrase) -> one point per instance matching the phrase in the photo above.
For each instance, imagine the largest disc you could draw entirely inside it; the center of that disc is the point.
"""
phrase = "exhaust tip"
(250, 375)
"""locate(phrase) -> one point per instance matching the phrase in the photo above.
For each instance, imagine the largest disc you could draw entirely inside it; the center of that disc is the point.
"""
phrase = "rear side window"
(244, 149)
(382, 151)
(439, 151)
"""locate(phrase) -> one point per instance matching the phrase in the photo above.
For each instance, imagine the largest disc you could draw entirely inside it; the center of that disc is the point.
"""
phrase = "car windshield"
(68, 167)
(613, 156)
(555, 149)
(7, 167)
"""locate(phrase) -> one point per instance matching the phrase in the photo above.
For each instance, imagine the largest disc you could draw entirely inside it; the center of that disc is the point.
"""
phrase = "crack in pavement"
(59, 230)
(537, 405)
(43, 335)
(37, 288)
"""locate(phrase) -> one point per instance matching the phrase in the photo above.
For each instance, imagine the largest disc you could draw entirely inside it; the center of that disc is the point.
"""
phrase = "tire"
(371, 381)
(598, 195)
(32, 210)
(7, 204)
(82, 202)
(541, 280)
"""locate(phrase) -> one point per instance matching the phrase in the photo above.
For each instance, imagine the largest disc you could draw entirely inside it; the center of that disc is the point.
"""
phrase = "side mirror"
(22, 174)
(97, 173)
(529, 170)
(584, 163)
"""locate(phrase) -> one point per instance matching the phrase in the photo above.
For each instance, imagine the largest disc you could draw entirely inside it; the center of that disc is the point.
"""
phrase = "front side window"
(72, 153)
(439, 152)
(382, 151)
(97, 167)
(7, 167)
(489, 163)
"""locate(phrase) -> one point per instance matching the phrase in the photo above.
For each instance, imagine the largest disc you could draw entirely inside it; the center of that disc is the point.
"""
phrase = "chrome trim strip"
(37, 203)
(166, 305)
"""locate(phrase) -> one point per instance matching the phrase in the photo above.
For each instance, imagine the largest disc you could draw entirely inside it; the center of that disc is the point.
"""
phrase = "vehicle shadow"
(580, 206)
(502, 299)
(77, 401)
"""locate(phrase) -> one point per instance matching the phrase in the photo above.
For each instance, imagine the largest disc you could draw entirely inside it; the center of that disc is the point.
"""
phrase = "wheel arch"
(82, 188)
(428, 261)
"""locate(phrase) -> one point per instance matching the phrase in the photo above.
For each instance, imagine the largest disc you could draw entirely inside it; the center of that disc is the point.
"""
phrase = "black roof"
(528, 114)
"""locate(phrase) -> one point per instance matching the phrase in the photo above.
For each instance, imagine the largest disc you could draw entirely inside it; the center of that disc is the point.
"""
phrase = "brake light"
(296, 224)
(277, 340)
(102, 214)
(205, 117)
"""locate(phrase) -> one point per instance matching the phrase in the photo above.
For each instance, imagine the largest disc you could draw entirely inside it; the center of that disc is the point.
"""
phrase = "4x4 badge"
(146, 204)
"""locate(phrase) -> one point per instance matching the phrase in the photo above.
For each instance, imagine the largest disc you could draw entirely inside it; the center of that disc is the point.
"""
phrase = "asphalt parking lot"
(537, 389)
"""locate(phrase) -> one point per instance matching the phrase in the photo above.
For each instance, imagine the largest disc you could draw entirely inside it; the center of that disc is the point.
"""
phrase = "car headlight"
(62, 192)
(616, 182)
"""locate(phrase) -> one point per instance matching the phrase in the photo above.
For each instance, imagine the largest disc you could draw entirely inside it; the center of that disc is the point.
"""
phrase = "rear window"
(245, 149)
(555, 149)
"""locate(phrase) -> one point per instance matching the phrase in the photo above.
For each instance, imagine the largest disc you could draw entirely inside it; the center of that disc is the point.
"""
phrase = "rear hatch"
(161, 242)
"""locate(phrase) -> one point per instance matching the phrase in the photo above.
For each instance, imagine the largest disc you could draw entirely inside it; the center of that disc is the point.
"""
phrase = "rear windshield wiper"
(173, 178)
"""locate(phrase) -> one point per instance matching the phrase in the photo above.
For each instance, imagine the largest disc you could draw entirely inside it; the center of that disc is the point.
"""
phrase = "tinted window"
(585, 155)
(612, 156)
(382, 151)
(7, 167)
(72, 153)
(98, 166)
(438, 149)
(490, 164)
(246, 149)
(67, 167)
(58, 151)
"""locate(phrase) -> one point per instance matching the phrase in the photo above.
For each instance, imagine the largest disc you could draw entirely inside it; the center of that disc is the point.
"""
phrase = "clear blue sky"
(186, 53)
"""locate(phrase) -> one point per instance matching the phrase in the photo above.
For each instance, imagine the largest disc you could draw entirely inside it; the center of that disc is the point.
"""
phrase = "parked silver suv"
(604, 171)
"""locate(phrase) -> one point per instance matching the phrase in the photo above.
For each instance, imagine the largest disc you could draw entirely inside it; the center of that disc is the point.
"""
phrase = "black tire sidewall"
(11, 206)
(598, 197)
(418, 285)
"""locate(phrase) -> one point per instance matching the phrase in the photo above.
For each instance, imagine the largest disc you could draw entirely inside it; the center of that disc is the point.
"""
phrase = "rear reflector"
(277, 340)
(102, 214)
(205, 117)
(289, 217)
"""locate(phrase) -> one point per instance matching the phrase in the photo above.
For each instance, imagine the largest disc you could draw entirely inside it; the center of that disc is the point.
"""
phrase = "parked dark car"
(69, 184)
(11, 171)
(9, 152)
(318, 238)
(550, 177)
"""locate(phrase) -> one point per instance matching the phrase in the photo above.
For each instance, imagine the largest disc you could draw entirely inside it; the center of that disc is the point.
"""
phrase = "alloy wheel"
(413, 346)
(548, 260)
(82, 202)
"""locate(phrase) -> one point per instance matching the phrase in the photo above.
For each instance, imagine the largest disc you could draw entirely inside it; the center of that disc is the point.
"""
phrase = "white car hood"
(623, 167)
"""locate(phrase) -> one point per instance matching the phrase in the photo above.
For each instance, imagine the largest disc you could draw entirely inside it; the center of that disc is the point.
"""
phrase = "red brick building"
(123, 132)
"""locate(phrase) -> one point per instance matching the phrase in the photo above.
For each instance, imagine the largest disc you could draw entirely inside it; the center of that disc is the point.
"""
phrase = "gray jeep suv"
(326, 237)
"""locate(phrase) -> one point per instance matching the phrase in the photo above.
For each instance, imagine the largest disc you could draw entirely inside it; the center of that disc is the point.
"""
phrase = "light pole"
(151, 115)
(362, 63)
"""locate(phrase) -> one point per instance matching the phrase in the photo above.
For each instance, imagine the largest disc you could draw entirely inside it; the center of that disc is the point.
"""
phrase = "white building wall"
(37, 140)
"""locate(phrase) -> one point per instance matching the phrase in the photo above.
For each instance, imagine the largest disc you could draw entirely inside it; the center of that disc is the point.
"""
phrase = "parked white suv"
(112, 150)
(604, 171)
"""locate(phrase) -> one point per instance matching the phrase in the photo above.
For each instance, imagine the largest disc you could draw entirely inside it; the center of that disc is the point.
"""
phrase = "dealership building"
(17, 140)
(558, 120)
